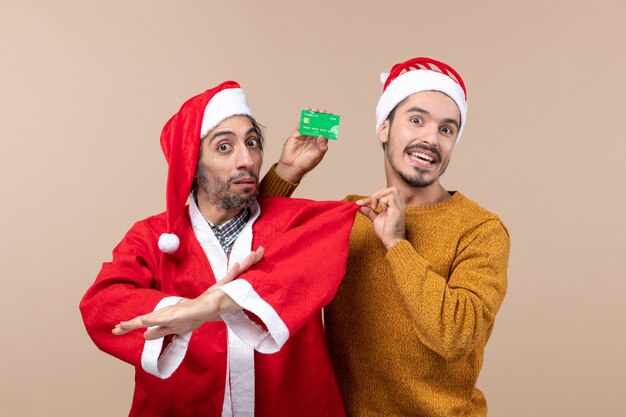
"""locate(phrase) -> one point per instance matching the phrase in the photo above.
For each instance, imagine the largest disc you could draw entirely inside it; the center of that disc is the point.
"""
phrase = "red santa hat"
(180, 141)
(420, 74)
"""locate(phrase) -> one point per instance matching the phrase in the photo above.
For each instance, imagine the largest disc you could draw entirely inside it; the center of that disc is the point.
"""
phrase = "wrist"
(391, 243)
(224, 303)
(211, 305)
(289, 174)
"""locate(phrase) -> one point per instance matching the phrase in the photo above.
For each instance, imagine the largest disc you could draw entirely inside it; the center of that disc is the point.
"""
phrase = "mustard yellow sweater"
(408, 327)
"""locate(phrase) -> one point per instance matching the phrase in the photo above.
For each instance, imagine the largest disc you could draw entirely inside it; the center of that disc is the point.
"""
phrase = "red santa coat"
(268, 360)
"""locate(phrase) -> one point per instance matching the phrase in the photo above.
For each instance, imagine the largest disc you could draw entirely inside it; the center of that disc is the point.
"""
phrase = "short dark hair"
(392, 113)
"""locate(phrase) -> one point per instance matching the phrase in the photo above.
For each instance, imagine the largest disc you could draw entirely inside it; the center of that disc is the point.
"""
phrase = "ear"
(383, 132)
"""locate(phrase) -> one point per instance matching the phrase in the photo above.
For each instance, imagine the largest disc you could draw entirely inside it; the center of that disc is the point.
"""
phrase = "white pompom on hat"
(416, 75)
(180, 141)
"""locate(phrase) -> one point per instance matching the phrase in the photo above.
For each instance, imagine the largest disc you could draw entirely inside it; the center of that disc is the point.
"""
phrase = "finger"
(322, 143)
(161, 317)
(374, 201)
(260, 252)
(378, 195)
(157, 333)
(133, 324)
(387, 200)
(368, 212)
(299, 137)
(390, 200)
(130, 325)
(252, 258)
(248, 262)
(296, 135)
(394, 193)
(118, 331)
(382, 193)
(317, 110)
(382, 203)
(231, 275)
(258, 255)
(363, 202)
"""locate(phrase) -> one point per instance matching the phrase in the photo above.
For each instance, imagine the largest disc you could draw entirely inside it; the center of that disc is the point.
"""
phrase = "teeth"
(422, 156)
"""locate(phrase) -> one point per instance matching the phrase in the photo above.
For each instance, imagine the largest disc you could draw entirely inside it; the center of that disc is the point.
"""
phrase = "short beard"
(417, 180)
(217, 190)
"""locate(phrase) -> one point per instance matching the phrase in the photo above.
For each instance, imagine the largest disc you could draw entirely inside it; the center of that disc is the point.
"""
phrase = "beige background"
(86, 87)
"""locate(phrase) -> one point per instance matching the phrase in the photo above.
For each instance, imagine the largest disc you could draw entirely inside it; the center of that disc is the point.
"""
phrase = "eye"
(416, 120)
(223, 147)
(447, 130)
(253, 143)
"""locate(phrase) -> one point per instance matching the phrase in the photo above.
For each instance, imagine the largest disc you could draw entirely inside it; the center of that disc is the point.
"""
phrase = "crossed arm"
(189, 314)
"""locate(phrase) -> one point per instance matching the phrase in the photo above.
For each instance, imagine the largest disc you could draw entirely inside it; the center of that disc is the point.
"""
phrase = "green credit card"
(319, 124)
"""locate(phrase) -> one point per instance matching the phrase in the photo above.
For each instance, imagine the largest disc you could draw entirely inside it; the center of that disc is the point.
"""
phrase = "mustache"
(417, 146)
(242, 174)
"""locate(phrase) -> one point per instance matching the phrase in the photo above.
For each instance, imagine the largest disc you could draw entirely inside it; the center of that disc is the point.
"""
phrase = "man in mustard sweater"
(427, 267)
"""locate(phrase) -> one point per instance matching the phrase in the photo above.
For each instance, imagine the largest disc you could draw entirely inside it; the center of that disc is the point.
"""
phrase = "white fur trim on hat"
(168, 242)
(226, 103)
(412, 82)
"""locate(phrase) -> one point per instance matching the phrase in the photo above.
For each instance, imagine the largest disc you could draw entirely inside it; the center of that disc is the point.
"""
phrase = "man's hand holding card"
(307, 145)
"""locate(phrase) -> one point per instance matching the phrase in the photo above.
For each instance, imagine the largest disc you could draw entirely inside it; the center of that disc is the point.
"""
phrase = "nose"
(244, 158)
(430, 135)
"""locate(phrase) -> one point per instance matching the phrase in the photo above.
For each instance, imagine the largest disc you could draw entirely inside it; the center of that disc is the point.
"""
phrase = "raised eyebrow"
(427, 113)
(221, 134)
(229, 133)
(251, 130)
(418, 110)
(453, 122)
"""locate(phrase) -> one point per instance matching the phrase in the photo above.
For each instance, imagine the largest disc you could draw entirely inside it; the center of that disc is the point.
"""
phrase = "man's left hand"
(301, 154)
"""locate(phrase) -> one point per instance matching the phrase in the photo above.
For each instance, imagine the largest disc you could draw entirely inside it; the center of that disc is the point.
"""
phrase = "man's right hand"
(301, 154)
(389, 222)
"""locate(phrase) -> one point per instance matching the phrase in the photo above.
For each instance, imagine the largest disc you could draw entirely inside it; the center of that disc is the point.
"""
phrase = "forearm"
(104, 306)
(450, 316)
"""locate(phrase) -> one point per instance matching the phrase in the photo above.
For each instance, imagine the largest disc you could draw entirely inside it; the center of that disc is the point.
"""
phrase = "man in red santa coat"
(233, 289)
